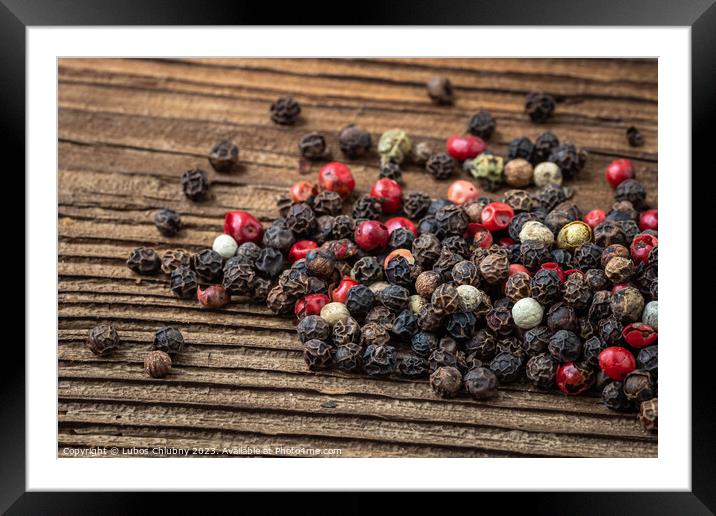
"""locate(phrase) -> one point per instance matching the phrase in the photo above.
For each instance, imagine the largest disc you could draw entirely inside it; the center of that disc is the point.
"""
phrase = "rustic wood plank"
(129, 128)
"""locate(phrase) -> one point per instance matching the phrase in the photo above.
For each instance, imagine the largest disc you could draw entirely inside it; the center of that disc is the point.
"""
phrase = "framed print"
(419, 257)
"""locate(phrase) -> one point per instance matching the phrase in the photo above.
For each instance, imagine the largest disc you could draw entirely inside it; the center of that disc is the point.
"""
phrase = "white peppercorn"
(378, 286)
(535, 230)
(527, 313)
(650, 315)
(547, 173)
(416, 302)
(334, 312)
(470, 297)
(225, 246)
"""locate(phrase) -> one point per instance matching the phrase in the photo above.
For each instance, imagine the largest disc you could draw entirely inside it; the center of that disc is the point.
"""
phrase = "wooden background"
(129, 128)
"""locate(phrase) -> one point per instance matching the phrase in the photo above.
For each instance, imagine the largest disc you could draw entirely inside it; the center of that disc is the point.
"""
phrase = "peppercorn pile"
(470, 291)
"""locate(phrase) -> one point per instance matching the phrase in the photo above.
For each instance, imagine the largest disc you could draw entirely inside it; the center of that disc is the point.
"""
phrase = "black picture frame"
(700, 15)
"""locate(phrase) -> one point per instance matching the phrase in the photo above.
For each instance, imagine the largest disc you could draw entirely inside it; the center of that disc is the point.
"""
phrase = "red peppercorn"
(401, 222)
(214, 296)
(480, 234)
(371, 234)
(518, 267)
(639, 335)
(641, 246)
(568, 272)
(336, 177)
(310, 305)
(594, 218)
(389, 193)
(465, 147)
(556, 268)
(649, 220)
(497, 216)
(461, 192)
(301, 191)
(243, 226)
(506, 241)
(300, 249)
(618, 171)
(573, 380)
(616, 362)
(340, 293)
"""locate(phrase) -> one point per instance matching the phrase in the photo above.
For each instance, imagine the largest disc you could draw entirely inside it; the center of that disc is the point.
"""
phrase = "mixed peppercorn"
(468, 292)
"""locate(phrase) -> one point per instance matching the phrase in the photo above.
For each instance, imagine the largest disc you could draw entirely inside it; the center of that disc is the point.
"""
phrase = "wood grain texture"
(129, 127)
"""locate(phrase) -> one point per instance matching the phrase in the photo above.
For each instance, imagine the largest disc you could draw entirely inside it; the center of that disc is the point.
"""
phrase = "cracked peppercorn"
(103, 339)
(285, 111)
(195, 184)
(168, 339)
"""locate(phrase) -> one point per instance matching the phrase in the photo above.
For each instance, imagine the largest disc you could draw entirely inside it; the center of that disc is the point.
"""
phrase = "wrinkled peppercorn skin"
(168, 339)
(103, 340)
(144, 260)
(285, 111)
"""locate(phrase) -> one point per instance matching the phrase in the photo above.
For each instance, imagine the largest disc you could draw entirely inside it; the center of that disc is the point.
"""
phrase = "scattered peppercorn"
(168, 222)
(285, 111)
(223, 156)
(157, 364)
(312, 145)
(103, 339)
(195, 184)
(634, 137)
(482, 124)
(440, 165)
(183, 282)
(440, 90)
(168, 339)
(144, 260)
(354, 141)
(539, 106)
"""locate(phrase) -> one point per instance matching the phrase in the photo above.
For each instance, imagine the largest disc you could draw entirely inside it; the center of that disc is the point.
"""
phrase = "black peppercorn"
(452, 219)
(300, 219)
(539, 106)
(313, 327)
(317, 354)
(601, 307)
(312, 145)
(481, 383)
(405, 326)
(367, 207)
(568, 159)
(428, 224)
(499, 320)
(223, 156)
(320, 262)
(175, 258)
(445, 299)
(633, 191)
(195, 184)
(343, 227)
(562, 257)
(550, 196)
(482, 124)
(349, 357)
(445, 263)
(398, 272)
(440, 90)
(614, 398)
(506, 366)
(519, 200)
(401, 238)
(521, 148)
(461, 325)
(260, 289)
(541, 370)
(495, 268)
(544, 144)
(323, 230)
(157, 364)
(429, 319)
(285, 111)
(534, 253)
(608, 233)
(394, 297)
(536, 340)
(278, 237)
(565, 346)
(587, 256)
(247, 252)
(103, 339)
(144, 260)
(423, 343)
(517, 286)
(576, 292)
(381, 315)
(561, 316)
(627, 304)
(168, 339)
(208, 265)
(379, 360)
(279, 301)
(416, 205)
(412, 366)
(638, 386)
(610, 330)
(446, 381)
(426, 249)
(634, 137)
(183, 282)
(648, 360)
(167, 222)
(346, 331)
(596, 279)
(354, 141)
(440, 165)
(367, 270)
(360, 300)
(545, 286)
(592, 347)
(327, 203)
(446, 357)
(391, 171)
(465, 273)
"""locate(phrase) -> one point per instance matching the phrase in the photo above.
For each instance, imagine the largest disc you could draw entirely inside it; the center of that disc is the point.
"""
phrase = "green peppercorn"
(394, 146)
(488, 169)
